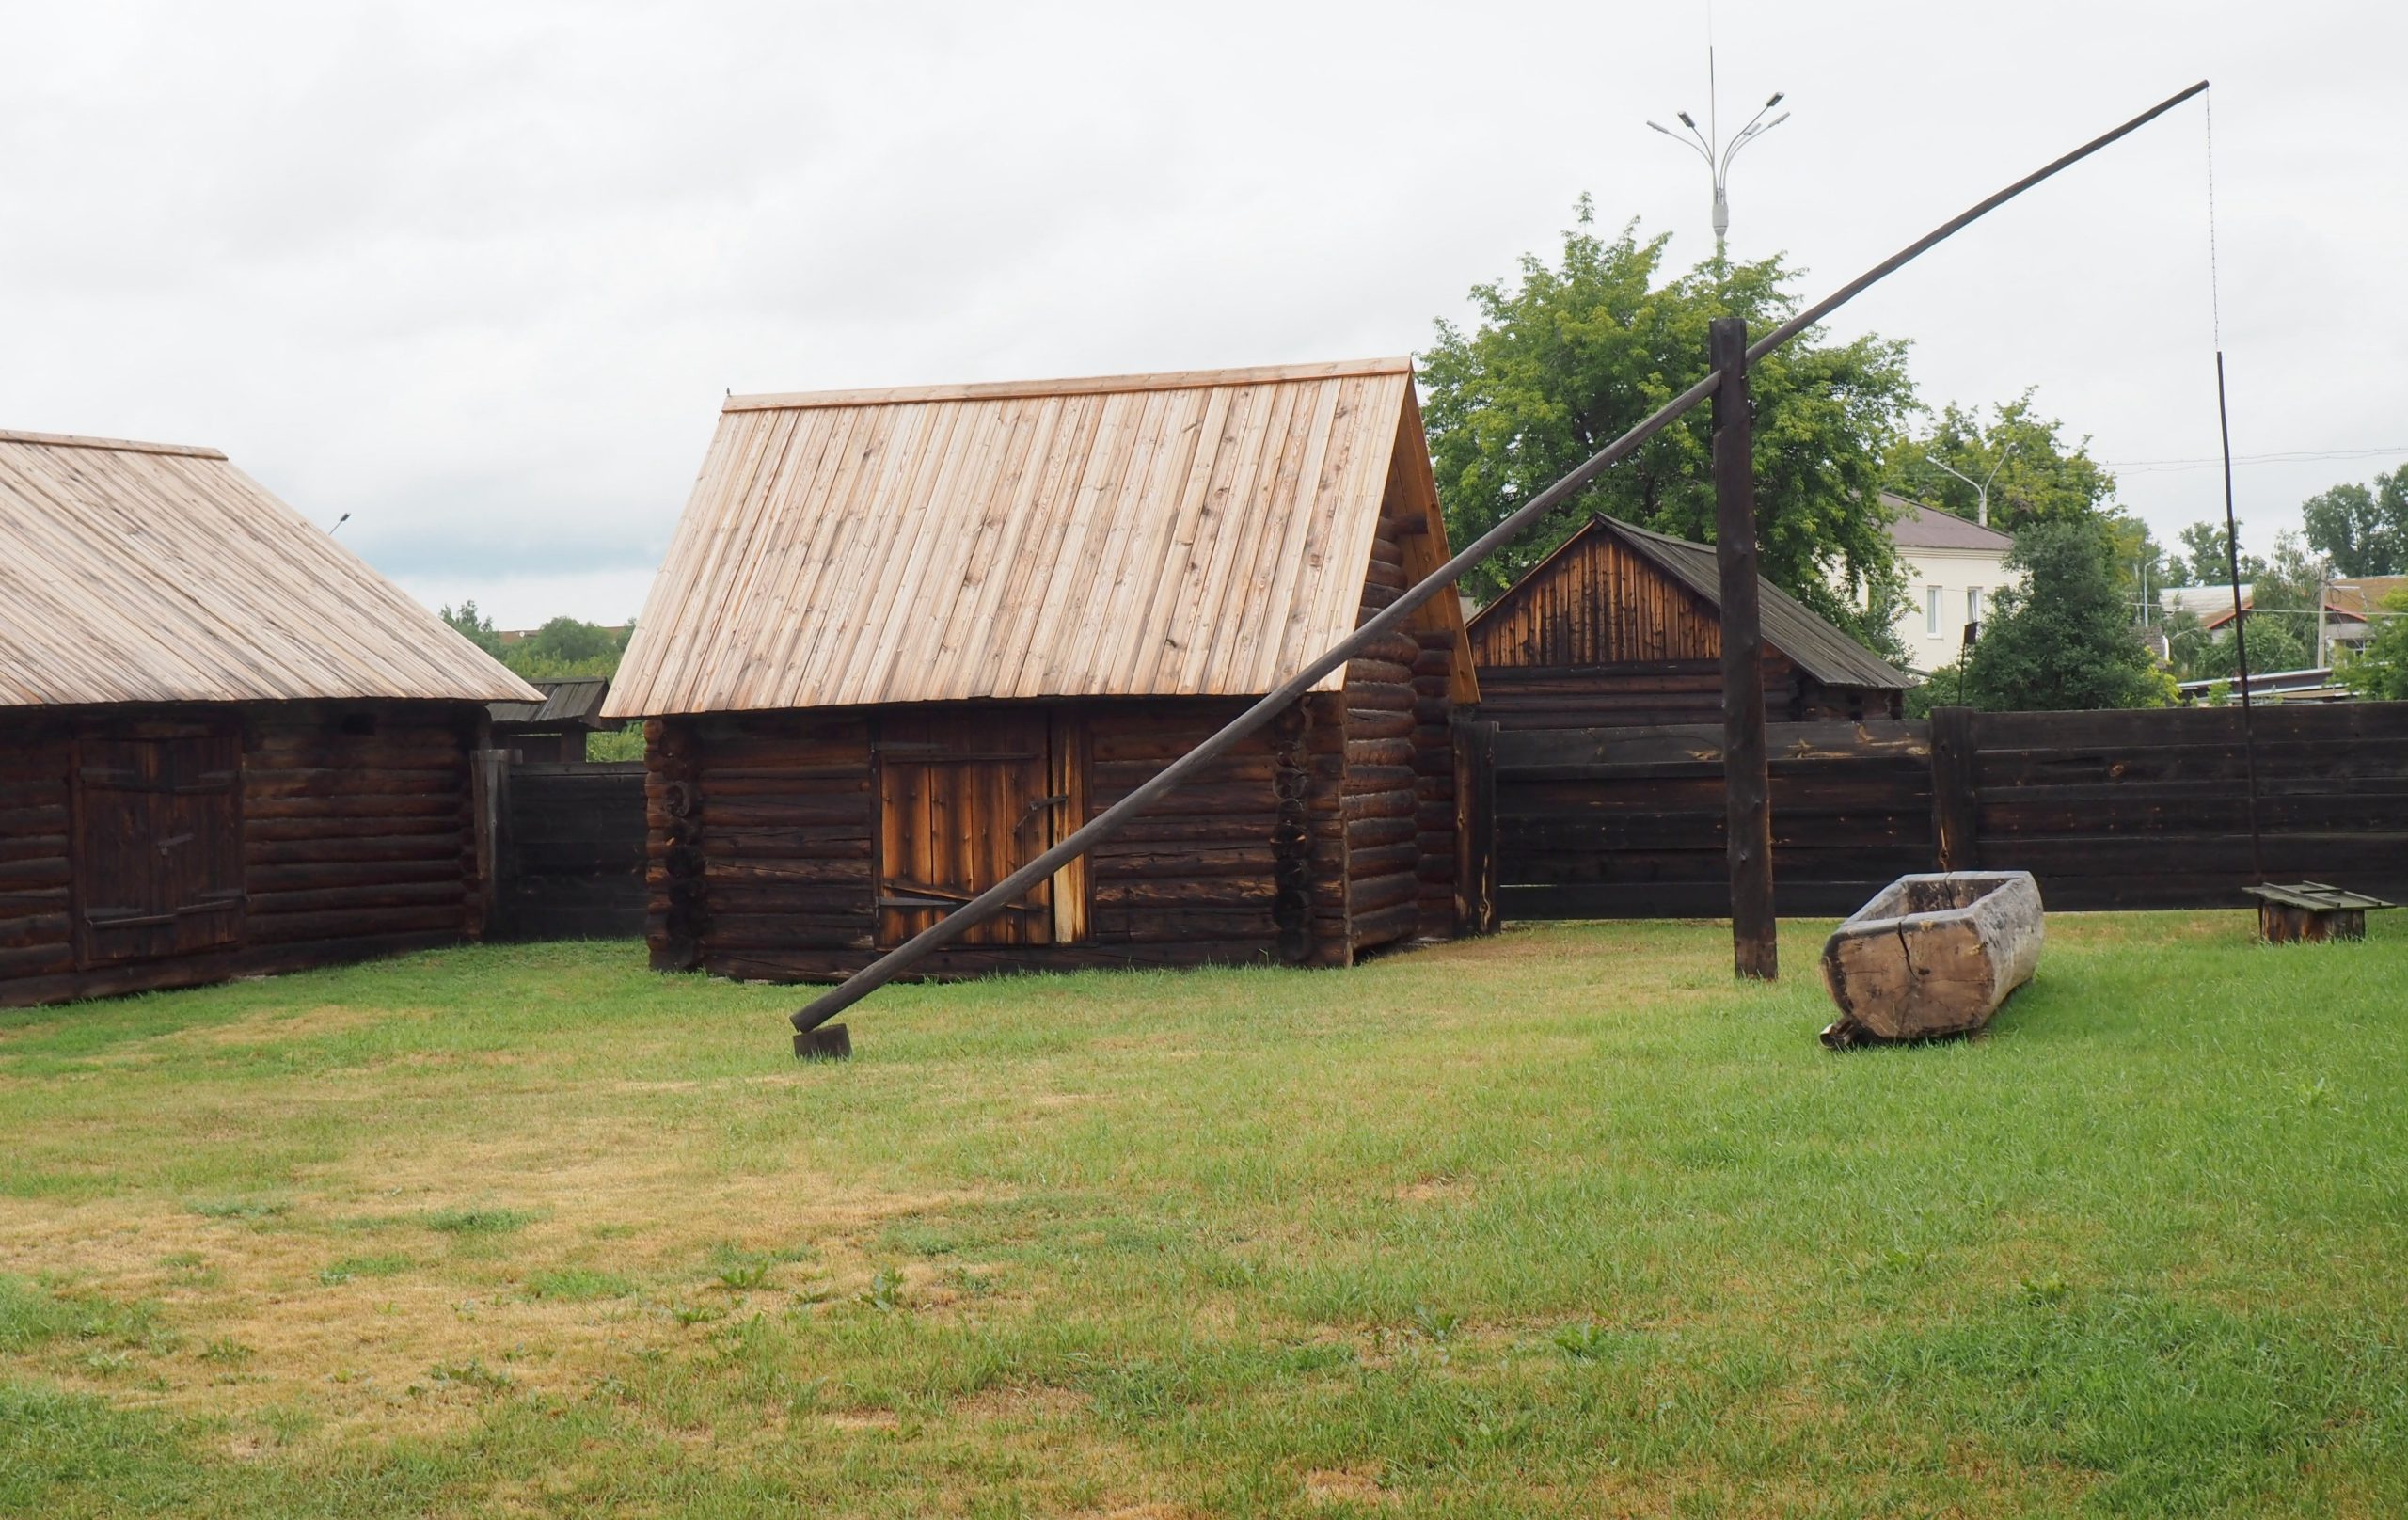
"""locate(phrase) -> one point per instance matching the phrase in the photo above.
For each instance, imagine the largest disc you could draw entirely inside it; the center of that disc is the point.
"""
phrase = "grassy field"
(1557, 1223)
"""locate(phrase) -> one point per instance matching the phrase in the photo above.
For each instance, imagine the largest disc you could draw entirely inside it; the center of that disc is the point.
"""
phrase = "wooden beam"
(1755, 950)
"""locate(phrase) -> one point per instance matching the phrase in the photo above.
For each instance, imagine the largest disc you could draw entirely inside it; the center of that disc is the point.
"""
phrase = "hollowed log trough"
(1932, 955)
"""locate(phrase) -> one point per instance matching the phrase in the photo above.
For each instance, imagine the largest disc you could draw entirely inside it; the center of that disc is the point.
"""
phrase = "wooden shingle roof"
(1197, 533)
(1789, 624)
(156, 573)
(576, 699)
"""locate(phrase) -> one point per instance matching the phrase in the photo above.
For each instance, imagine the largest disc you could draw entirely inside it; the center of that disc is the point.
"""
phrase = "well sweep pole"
(1748, 809)
(1109, 822)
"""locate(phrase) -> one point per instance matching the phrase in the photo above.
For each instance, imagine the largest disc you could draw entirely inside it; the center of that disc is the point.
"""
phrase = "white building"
(1955, 570)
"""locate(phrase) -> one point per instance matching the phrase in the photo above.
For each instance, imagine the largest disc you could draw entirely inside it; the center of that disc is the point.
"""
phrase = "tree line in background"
(1569, 354)
(563, 649)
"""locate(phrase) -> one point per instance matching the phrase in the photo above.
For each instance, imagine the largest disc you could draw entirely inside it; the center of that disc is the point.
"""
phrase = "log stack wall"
(2108, 810)
(1630, 822)
(358, 838)
(572, 851)
(762, 837)
(36, 873)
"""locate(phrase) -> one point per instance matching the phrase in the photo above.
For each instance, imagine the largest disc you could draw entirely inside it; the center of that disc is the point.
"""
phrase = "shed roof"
(148, 572)
(572, 699)
(1789, 625)
(1196, 534)
(1918, 526)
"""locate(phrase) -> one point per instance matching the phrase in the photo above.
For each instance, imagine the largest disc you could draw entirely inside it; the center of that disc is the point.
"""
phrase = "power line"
(2291, 457)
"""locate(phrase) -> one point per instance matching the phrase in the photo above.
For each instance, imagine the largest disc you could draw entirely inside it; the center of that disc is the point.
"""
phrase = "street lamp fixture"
(1981, 486)
(1717, 154)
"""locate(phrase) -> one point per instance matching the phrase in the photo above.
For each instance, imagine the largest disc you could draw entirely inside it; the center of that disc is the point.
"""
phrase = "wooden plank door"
(159, 854)
(963, 800)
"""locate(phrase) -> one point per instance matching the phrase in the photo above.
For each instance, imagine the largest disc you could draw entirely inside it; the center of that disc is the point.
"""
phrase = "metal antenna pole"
(1110, 821)
(2239, 635)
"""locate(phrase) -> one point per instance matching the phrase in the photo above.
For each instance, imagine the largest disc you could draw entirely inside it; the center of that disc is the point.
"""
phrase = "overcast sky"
(478, 275)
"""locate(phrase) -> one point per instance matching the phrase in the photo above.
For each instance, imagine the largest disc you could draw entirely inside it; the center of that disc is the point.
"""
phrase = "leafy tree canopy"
(1568, 356)
(2037, 477)
(2363, 530)
(2203, 558)
(2284, 592)
(567, 647)
(2064, 639)
(2380, 671)
(474, 626)
(562, 649)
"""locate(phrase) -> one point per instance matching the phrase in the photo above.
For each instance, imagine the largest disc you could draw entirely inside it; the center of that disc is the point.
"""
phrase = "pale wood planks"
(1193, 534)
(1089, 385)
(159, 573)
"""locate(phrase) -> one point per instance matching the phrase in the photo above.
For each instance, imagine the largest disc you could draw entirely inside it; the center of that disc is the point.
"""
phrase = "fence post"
(1475, 826)
(1955, 836)
(489, 790)
(1755, 950)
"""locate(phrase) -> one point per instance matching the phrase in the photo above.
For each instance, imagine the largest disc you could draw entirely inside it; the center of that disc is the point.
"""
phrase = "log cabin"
(1619, 627)
(227, 746)
(904, 641)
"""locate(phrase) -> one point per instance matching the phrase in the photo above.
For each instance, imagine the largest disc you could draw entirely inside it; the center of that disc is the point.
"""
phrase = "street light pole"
(1717, 154)
(1981, 486)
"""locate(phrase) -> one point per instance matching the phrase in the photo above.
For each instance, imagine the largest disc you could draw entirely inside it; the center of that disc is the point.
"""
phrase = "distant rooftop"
(1919, 527)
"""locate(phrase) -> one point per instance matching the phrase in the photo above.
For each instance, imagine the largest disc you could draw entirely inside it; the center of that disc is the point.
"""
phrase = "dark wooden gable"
(1595, 601)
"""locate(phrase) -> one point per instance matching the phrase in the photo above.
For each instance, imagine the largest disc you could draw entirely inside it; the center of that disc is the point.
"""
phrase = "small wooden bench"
(2311, 911)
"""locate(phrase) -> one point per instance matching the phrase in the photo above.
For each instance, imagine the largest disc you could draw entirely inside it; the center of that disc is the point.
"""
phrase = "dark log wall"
(2151, 809)
(2109, 810)
(572, 851)
(36, 879)
(762, 837)
(358, 838)
(1629, 693)
(1599, 636)
(1629, 822)
(1595, 602)
(1233, 867)
(1398, 801)
(762, 831)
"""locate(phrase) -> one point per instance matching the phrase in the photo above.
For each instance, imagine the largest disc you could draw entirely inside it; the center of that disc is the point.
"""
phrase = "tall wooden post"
(1754, 951)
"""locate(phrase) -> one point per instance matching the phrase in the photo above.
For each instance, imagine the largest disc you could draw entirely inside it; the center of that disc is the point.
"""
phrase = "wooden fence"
(2146, 809)
(569, 851)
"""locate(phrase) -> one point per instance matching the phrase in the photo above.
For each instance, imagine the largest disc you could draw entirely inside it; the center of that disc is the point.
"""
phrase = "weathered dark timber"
(829, 1042)
(293, 834)
(2108, 810)
(1956, 836)
(1755, 949)
(1932, 954)
(570, 856)
(1393, 617)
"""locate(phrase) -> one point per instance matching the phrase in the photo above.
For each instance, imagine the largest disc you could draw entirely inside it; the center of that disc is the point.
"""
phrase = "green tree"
(2037, 478)
(1568, 356)
(2380, 671)
(473, 626)
(2274, 644)
(2203, 545)
(2064, 639)
(2363, 530)
(567, 647)
(2189, 642)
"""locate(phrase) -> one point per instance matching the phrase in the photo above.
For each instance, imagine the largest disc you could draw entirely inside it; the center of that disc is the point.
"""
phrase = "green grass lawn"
(1557, 1223)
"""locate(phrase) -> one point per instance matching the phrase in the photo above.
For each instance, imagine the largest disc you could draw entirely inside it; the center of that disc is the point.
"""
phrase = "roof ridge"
(1073, 385)
(122, 446)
